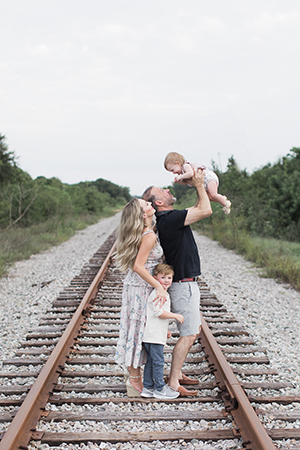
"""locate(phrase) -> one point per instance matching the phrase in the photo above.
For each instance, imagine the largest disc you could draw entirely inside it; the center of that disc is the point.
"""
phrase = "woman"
(139, 251)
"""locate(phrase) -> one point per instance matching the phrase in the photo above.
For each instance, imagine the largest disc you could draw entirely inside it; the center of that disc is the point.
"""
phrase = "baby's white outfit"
(209, 175)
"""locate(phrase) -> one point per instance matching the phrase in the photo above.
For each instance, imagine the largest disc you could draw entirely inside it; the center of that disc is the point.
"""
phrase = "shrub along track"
(64, 387)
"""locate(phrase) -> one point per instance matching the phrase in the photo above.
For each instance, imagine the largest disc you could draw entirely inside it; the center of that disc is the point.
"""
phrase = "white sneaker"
(148, 393)
(227, 207)
(166, 392)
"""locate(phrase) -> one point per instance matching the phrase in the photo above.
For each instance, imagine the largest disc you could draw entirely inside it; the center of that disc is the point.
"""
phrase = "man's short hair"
(148, 197)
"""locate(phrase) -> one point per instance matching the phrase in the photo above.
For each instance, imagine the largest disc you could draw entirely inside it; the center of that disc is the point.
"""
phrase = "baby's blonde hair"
(129, 235)
(174, 157)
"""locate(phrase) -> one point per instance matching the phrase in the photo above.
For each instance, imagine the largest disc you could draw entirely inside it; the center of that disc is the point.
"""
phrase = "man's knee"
(194, 337)
(190, 339)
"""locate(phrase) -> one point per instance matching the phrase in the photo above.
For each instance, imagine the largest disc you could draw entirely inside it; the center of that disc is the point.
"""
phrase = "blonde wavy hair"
(129, 235)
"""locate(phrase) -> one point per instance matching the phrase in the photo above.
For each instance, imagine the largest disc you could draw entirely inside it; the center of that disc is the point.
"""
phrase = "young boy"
(155, 337)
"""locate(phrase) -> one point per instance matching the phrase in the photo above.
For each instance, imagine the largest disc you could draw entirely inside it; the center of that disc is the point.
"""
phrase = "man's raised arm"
(202, 207)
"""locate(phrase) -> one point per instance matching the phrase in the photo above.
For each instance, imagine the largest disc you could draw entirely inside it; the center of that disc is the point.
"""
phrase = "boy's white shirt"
(156, 329)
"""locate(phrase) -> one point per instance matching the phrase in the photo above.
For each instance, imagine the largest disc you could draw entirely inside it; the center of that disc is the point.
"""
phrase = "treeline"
(26, 201)
(265, 203)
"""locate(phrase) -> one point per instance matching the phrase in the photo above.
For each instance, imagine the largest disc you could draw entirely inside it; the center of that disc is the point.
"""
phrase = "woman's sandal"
(126, 374)
(132, 391)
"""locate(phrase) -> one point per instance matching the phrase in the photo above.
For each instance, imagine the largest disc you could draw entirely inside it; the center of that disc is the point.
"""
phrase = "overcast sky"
(105, 89)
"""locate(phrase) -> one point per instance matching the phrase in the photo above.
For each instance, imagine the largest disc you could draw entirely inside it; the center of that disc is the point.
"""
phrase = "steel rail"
(249, 427)
(23, 425)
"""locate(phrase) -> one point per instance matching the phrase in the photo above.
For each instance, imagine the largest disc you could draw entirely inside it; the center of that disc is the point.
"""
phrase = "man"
(181, 253)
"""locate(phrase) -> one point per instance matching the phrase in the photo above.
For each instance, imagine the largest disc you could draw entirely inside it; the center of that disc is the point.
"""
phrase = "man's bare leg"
(180, 351)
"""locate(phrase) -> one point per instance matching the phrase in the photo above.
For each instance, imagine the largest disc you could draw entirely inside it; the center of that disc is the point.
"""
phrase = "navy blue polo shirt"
(178, 243)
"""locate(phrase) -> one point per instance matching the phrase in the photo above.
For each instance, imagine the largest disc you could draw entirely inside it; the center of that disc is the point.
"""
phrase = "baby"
(177, 164)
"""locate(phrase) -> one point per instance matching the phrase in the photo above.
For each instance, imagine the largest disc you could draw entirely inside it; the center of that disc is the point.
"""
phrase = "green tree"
(25, 201)
(50, 202)
(8, 166)
(86, 198)
(18, 191)
(115, 191)
(268, 200)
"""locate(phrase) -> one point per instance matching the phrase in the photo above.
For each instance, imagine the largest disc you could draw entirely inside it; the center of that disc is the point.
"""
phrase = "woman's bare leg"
(137, 383)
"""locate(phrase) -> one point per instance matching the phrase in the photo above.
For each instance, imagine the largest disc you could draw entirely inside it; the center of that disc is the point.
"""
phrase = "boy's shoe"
(227, 207)
(166, 392)
(148, 393)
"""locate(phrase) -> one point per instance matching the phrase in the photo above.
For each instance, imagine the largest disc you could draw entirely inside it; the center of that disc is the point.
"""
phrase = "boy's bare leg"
(180, 351)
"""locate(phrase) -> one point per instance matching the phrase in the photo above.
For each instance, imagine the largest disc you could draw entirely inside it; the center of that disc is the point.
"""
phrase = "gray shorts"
(185, 300)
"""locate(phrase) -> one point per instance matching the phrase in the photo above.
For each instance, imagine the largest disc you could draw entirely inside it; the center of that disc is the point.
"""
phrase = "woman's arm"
(147, 244)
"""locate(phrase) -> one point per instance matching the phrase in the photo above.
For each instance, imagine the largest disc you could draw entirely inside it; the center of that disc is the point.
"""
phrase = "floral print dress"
(136, 291)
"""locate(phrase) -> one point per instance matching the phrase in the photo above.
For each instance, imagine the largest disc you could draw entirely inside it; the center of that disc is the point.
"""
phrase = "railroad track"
(63, 387)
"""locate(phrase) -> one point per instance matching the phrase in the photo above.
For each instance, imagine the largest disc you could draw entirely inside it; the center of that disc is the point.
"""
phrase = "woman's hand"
(161, 295)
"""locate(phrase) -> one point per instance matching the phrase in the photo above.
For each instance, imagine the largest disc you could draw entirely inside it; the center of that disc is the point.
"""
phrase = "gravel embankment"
(269, 310)
(24, 300)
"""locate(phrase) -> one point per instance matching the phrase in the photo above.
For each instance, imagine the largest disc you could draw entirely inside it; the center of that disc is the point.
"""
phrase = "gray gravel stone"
(269, 311)
(23, 300)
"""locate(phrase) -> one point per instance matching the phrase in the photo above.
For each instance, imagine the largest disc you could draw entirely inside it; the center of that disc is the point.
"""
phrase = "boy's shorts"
(185, 300)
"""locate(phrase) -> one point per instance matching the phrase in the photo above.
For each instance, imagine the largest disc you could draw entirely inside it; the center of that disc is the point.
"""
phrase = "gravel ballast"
(269, 310)
(24, 300)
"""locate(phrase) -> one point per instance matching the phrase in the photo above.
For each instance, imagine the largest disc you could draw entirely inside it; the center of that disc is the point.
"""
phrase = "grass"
(20, 243)
(278, 259)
